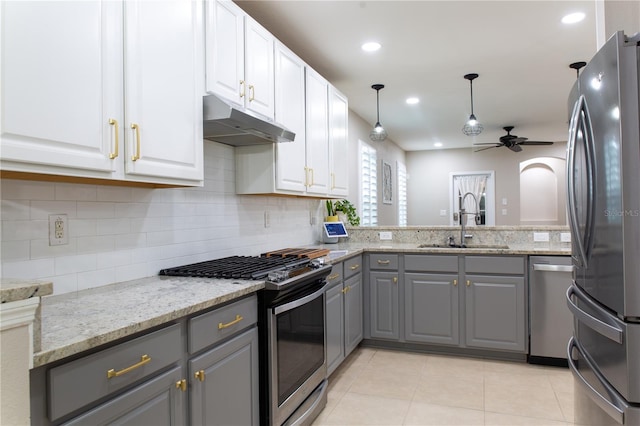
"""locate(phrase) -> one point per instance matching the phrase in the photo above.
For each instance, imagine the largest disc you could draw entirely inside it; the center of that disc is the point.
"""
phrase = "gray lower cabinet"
(384, 310)
(158, 402)
(224, 383)
(344, 321)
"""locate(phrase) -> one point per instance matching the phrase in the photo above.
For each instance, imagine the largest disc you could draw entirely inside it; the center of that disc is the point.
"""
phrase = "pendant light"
(378, 134)
(472, 127)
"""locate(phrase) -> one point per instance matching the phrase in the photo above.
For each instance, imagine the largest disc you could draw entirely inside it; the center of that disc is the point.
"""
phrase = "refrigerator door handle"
(610, 331)
(611, 408)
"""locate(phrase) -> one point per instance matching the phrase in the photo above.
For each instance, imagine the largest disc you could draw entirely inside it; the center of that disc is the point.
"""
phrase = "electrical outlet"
(386, 235)
(565, 237)
(541, 237)
(58, 229)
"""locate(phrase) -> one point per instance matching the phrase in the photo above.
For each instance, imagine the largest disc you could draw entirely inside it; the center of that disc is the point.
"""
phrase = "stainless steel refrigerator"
(603, 174)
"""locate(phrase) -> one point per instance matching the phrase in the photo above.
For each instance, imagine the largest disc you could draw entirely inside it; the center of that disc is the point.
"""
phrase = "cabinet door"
(258, 68)
(338, 143)
(495, 312)
(353, 327)
(335, 327)
(156, 402)
(317, 159)
(431, 308)
(61, 83)
(289, 111)
(384, 308)
(225, 50)
(163, 89)
(225, 383)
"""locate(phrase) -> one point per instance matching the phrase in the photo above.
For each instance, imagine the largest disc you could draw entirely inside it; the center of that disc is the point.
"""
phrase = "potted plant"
(349, 210)
(332, 215)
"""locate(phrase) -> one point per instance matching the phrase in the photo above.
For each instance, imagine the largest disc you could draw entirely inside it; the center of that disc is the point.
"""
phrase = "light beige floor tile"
(512, 367)
(397, 361)
(454, 391)
(497, 419)
(421, 413)
(519, 379)
(565, 399)
(357, 409)
(386, 383)
(522, 401)
(561, 380)
(454, 366)
(341, 380)
(332, 401)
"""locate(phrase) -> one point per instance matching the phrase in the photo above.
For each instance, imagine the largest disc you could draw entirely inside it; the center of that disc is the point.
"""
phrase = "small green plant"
(348, 209)
(331, 211)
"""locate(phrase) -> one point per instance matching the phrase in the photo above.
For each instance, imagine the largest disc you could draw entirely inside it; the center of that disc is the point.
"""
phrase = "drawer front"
(336, 275)
(383, 261)
(80, 382)
(352, 266)
(209, 328)
(430, 263)
(508, 265)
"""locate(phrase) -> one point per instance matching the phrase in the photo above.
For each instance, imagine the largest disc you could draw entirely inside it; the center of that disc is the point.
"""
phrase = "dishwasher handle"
(552, 268)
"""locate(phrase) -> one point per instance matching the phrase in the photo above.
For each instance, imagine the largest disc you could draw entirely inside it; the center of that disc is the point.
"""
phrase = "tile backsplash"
(123, 233)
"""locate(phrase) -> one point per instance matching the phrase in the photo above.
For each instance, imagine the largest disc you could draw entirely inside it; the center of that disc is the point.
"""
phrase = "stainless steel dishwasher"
(551, 323)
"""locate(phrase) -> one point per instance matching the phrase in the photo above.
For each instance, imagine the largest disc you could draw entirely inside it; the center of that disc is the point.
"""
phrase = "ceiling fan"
(512, 142)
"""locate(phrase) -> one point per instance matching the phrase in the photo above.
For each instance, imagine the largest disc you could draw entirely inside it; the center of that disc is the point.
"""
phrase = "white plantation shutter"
(369, 185)
(402, 193)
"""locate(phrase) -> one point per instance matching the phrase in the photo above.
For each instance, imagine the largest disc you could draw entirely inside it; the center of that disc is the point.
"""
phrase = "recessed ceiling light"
(573, 18)
(413, 101)
(371, 46)
(437, 144)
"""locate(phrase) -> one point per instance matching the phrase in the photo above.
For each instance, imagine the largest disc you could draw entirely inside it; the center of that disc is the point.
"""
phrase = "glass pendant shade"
(378, 134)
(472, 127)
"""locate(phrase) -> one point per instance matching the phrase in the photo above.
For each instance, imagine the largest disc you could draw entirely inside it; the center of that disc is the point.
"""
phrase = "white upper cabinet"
(239, 58)
(72, 69)
(317, 152)
(290, 112)
(338, 143)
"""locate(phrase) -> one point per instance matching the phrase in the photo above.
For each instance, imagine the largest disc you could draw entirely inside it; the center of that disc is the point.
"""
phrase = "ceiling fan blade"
(484, 149)
(492, 143)
(518, 140)
(535, 143)
(515, 148)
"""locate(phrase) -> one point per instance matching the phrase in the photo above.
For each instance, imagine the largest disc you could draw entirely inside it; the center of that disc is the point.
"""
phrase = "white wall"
(123, 233)
(428, 182)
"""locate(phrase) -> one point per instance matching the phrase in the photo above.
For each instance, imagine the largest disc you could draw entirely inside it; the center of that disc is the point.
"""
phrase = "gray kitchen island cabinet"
(343, 311)
(384, 297)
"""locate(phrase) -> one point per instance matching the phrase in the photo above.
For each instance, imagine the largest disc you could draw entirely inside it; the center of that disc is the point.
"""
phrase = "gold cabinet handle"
(468, 283)
(312, 177)
(346, 290)
(395, 280)
(200, 375)
(136, 129)
(115, 152)
(242, 88)
(145, 359)
(306, 176)
(383, 262)
(252, 93)
(182, 385)
(333, 276)
(229, 324)
(333, 181)
(455, 283)
(354, 267)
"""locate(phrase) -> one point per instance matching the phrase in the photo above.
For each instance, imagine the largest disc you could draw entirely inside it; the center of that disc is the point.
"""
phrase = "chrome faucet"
(463, 217)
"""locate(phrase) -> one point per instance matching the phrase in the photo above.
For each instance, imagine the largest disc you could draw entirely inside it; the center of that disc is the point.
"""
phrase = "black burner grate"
(237, 267)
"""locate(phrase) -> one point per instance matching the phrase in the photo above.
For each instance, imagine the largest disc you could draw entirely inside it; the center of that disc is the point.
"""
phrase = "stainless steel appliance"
(293, 366)
(603, 174)
(551, 322)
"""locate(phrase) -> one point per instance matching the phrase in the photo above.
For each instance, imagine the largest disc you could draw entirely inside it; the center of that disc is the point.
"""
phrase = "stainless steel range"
(293, 366)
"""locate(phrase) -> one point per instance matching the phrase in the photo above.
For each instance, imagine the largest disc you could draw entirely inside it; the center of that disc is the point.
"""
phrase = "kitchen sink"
(468, 246)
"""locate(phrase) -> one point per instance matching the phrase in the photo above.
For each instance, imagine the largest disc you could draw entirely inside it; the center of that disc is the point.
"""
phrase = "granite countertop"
(13, 290)
(74, 322)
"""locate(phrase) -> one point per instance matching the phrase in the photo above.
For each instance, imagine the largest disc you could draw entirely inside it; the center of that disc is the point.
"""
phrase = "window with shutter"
(368, 185)
(402, 193)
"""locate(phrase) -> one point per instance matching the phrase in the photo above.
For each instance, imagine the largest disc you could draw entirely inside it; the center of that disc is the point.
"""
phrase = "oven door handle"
(299, 302)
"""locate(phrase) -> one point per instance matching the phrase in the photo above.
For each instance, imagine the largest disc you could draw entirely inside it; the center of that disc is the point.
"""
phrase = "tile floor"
(384, 387)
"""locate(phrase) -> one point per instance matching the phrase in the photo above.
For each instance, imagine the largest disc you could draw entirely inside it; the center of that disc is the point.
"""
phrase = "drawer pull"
(145, 359)
(354, 267)
(333, 276)
(346, 289)
(200, 375)
(384, 262)
(182, 385)
(395, 280)
(468, 283)
(455, 283)
(229, 324)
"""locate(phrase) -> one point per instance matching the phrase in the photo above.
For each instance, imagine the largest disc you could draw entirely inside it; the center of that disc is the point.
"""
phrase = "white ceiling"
(520, 49)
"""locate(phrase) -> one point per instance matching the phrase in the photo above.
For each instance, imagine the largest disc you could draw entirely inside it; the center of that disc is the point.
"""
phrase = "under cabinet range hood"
(231, 125)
